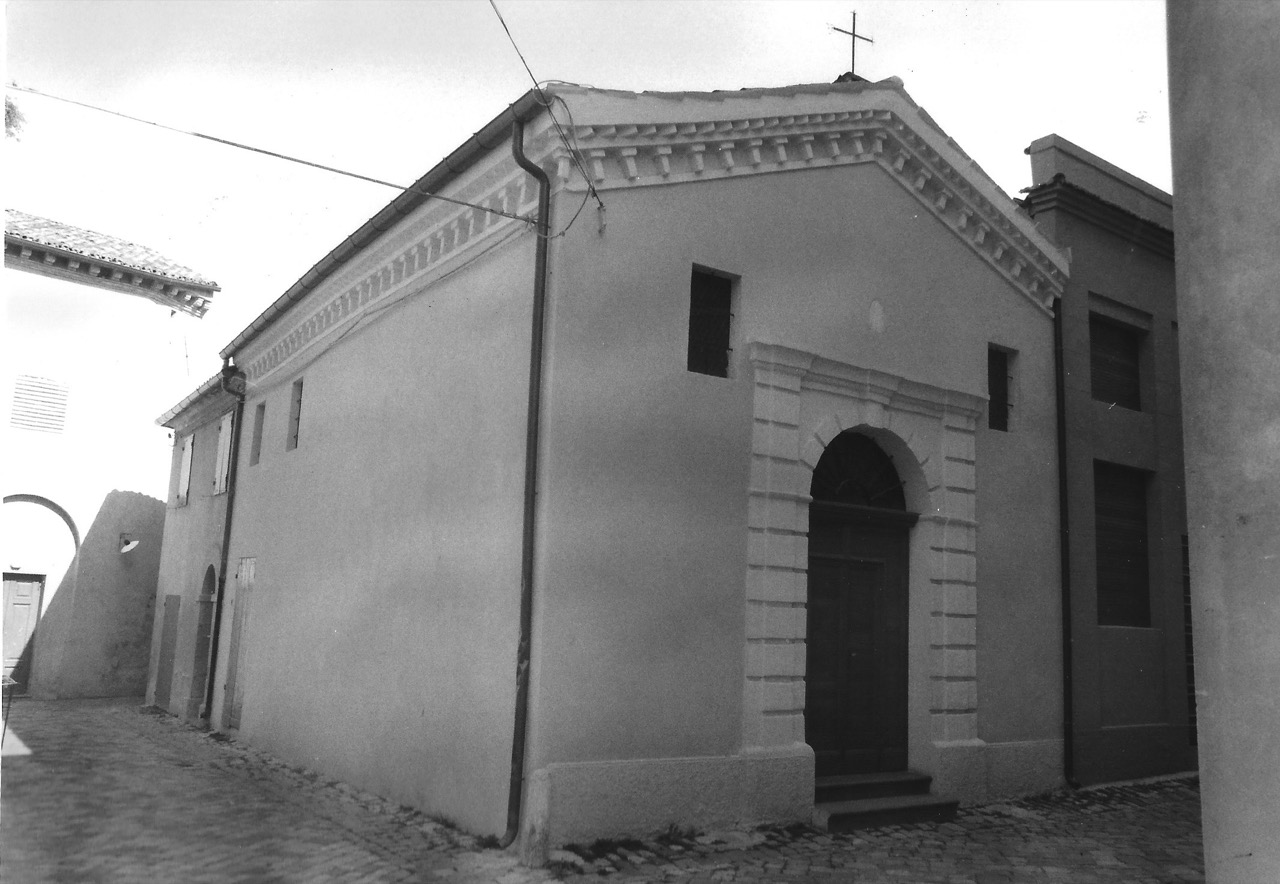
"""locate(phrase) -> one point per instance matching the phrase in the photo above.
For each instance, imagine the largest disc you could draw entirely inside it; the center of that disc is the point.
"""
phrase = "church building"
(658, 458)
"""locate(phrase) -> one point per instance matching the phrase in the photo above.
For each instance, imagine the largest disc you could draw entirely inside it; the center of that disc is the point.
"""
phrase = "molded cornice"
(435, 243)
(74, 267)
(874, 125)
(672, 138)
(207, 402)
(1076, 201)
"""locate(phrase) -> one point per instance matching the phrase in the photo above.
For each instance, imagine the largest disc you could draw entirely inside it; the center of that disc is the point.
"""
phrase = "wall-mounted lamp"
(128, 543)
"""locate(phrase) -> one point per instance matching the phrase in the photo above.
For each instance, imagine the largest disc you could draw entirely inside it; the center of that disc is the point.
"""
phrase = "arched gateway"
(856, 657)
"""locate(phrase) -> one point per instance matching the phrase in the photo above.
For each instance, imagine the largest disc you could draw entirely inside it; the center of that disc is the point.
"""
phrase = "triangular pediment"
(628, 140)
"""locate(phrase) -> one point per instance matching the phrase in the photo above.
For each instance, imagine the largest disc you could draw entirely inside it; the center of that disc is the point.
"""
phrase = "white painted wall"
(383, 627)
(123, 361)
(387, 545)
(640, 614)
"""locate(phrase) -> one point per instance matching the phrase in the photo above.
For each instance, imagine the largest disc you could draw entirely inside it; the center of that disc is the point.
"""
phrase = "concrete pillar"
(1224, 67)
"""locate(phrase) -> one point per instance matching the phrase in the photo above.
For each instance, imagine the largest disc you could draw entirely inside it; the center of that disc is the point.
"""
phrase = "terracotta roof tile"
(99, 246)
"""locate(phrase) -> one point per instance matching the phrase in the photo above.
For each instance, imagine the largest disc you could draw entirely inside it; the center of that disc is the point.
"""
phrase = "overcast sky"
(388, 88)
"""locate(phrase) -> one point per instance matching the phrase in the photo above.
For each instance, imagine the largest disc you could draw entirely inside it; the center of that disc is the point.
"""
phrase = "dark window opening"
(259, 417)
(1115, 352)
(1120, 507)
(710, 303)
(998, 404)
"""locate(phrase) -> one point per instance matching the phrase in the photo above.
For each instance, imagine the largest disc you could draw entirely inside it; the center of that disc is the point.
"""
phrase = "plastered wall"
(639, 648)
(381, 642)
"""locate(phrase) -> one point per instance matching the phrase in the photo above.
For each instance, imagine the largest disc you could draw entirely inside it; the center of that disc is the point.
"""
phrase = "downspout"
(233, 383)
(1064, 546)
(542, 229)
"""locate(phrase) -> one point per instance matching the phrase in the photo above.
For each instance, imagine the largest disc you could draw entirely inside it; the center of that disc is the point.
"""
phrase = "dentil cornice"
(891, 132)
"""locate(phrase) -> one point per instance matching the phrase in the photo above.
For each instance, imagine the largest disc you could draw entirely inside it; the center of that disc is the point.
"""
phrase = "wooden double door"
(856, 677)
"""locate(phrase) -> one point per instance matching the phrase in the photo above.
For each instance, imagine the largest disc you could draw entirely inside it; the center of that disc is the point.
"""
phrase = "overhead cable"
(537, 87)
(279, 156)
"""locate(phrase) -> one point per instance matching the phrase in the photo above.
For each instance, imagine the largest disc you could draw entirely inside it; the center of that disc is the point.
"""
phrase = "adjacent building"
(95, 338)
(1130, 690)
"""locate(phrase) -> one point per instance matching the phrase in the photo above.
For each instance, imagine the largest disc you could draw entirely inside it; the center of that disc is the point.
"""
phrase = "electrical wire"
(573, 154)
(531, 222)
(279, 156)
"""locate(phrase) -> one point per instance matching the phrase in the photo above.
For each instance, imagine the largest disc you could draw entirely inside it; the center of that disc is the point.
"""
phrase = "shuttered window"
(1115, 352)
(222, 465)
(710, 305)
(1120, 506)
(184, 470)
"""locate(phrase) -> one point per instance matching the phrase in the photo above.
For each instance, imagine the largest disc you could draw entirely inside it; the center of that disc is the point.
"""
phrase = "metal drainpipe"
(542, 227)
(1064, 544)
(233, 383)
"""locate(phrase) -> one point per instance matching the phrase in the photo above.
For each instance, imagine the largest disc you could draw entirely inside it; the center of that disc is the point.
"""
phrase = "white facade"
(872, 266)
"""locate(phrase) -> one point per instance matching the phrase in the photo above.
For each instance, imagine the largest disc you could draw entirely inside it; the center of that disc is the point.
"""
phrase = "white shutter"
(184, 470)
(222, 466)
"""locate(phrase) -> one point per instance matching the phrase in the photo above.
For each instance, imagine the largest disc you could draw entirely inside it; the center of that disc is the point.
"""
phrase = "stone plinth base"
(584, 801)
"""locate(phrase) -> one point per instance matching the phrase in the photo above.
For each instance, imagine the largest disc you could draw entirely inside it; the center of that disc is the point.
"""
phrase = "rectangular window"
(184, 470)
(998, 404)
(222, 465)
(1115, 352)
(1120, 510)
(710, 303)
(259, 418)
(295, 416)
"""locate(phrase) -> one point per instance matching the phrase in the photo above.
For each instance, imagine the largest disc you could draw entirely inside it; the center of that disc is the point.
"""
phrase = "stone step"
(866, 813)
(852, 787)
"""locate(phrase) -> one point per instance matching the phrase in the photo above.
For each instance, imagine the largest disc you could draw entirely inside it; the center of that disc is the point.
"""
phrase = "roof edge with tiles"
(74, 254)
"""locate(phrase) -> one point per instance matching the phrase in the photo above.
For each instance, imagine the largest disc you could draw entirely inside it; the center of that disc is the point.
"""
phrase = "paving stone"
(110, 794)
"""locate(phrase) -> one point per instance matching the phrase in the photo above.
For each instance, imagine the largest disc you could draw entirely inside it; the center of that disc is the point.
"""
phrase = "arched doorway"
(856, 657)
(38, 562)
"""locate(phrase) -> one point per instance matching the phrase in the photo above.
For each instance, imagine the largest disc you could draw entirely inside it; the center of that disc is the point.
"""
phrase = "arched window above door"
(855, 470)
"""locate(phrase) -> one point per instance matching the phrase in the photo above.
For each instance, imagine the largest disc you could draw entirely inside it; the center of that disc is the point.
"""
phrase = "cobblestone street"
(100, 791)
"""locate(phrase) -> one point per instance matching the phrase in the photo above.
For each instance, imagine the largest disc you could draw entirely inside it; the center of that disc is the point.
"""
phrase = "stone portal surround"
(938, 427)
